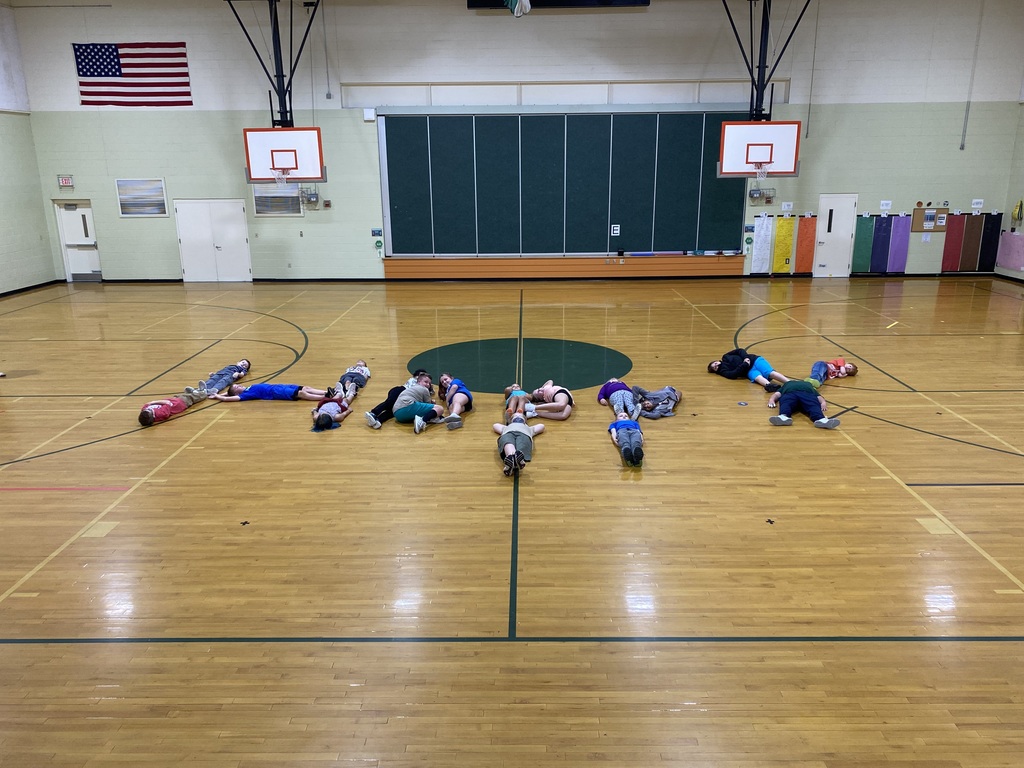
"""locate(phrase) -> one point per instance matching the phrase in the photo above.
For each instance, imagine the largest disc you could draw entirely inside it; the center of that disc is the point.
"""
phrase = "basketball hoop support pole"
(281, 83)
(759, 81)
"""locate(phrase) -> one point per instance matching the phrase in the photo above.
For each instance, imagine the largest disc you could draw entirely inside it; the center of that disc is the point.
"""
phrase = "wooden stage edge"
(488, 268)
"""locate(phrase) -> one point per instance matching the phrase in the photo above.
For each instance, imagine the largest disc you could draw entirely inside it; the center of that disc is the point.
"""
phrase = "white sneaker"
(371, 420)
(531, 410)
(418, 424)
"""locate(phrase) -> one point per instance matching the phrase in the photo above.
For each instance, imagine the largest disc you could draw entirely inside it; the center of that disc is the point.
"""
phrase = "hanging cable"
(327, 62)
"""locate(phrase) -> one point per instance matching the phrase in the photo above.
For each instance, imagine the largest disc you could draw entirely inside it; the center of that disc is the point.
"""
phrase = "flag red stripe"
(112, 103)
(150, 45)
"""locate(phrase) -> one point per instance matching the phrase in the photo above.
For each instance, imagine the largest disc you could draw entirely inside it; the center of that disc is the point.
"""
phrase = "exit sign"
(65, 181)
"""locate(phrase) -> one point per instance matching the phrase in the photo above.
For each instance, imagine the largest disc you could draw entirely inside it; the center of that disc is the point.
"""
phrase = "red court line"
(72, 488)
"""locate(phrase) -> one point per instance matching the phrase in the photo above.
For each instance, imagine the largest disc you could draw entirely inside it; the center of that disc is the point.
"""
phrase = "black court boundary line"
(584, 639)
(963, 485)
(857, 411)
(297, 355)
(909, 389)
(513, 576)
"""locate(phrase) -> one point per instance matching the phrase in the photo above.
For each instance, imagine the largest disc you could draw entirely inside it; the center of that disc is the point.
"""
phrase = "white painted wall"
(882, 86)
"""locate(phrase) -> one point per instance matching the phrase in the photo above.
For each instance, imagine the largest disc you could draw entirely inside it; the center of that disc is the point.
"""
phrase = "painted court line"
(75, 488)
(85, 528)
(967, 539)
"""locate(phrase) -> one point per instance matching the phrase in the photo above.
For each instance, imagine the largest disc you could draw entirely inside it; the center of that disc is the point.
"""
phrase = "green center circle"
(490, 365)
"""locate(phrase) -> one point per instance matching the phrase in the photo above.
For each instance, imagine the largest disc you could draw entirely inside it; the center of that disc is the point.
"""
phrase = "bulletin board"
(929, 220)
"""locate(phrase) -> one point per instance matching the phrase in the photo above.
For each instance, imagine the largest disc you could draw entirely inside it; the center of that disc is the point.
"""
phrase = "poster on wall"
(141, 197)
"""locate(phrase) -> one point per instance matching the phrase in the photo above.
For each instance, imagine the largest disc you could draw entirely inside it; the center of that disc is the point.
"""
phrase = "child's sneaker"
(418, 424)
(772, 387)
(627, 455)
(638, 456)
(331, 392)
(520, 458)
(371, 420)
(781, 421)
(827, 423)
(510, 465)
(454, 422)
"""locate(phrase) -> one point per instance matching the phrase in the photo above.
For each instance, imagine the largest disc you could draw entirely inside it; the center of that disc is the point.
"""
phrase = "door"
(78, 241)
(213, 240)
(837, 218)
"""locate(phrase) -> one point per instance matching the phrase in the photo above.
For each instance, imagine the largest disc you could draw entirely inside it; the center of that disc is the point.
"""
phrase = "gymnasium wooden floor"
(230, 589)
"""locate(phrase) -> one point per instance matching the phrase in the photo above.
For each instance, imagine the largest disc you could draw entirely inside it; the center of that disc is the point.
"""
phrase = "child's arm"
(822, 403)
(773, 401)
(499, 428)
(615, 436)
(538, 429)
(225, 398)
(159, 402)
(344, 415)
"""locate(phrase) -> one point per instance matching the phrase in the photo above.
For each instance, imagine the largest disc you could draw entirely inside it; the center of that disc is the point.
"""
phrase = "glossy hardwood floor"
(230, 589)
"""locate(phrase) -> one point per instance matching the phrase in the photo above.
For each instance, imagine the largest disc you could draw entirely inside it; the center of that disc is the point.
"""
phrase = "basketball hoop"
(280, 176)
(761, 171)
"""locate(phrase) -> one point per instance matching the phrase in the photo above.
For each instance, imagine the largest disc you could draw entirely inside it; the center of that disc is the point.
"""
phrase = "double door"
(213, 240)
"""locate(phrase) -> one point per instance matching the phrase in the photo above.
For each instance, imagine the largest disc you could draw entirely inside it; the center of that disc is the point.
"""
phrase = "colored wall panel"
(783, 251)
(761, 259)
(634, 155)
(1011, 251)
(542, 183)
(587, 182)
(973, 230)
(990, 242)
(721, 200)
(862, 240)
(412, 224)
(954, 242)
(806, 234)
(497, 212)
(453, 183)
(899, 244)
(677, 199)
(880, 244)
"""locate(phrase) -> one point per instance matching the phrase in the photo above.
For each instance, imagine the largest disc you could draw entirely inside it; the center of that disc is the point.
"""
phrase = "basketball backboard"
(774, 146)
(295, 153)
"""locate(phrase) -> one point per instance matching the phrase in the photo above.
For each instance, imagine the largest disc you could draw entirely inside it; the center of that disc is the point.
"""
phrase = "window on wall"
(277, 199)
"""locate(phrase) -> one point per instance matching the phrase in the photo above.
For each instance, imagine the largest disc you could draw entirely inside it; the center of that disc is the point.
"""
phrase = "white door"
(213, 239)
(837, 220)
(78, 240)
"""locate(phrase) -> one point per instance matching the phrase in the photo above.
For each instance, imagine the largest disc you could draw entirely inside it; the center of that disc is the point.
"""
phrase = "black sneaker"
(638, 456)
(331, 392)
(627, 455)
(510, 465)
(772, 387)
(520, 458)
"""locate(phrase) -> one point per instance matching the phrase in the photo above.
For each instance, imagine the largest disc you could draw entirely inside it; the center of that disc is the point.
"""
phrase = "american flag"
(133, 74)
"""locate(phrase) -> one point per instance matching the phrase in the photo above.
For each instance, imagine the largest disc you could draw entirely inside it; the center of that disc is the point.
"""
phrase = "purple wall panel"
(899, 244)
